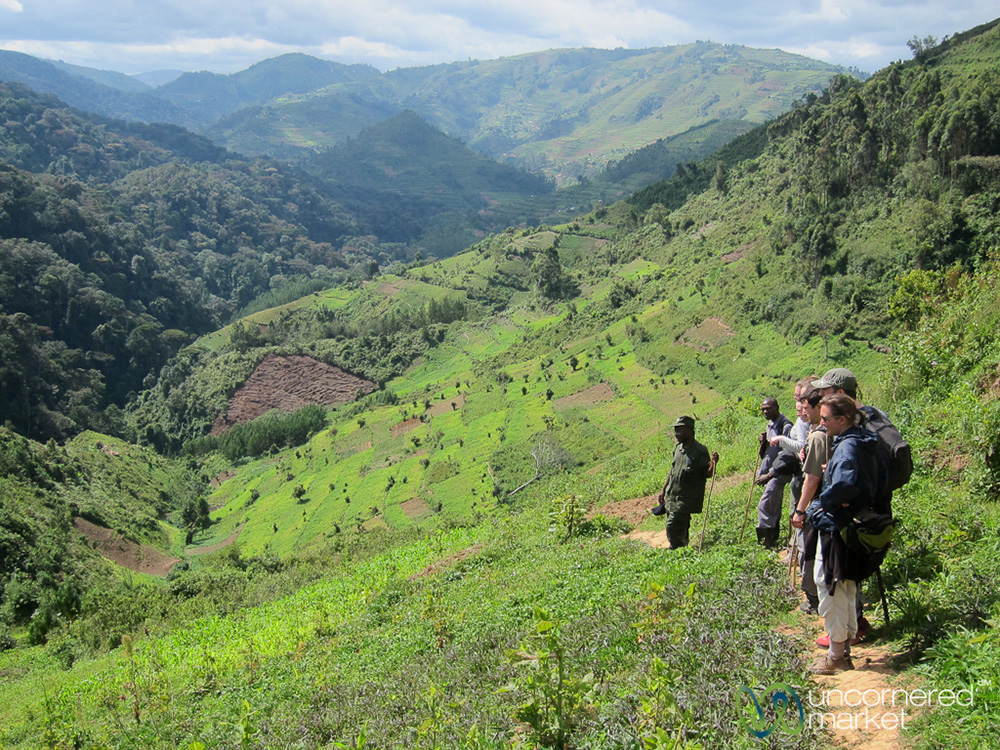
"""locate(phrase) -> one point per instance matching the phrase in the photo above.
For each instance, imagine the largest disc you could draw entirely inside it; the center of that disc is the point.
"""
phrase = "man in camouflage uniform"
(684, 491)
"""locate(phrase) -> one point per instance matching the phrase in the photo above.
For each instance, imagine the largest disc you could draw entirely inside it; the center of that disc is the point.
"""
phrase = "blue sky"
(135, 36)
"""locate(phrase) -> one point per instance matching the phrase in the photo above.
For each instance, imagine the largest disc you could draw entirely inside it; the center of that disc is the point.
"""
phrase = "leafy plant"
(565, 515)
(556, 698)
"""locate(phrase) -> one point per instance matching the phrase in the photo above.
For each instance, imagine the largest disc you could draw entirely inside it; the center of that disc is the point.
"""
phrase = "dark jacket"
(782, 426)
(851, 477)
(685, 487)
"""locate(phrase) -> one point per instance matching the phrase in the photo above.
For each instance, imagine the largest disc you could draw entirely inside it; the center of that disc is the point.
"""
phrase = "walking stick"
(708, 504)
(750, 497)
(881, 591)
(793, 555)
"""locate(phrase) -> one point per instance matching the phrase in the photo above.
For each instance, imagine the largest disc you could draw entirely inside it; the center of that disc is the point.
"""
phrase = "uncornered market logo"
(850, 709)
(785, 701)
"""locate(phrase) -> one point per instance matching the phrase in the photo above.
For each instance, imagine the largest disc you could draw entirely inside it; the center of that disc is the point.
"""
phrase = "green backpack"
(867, 538)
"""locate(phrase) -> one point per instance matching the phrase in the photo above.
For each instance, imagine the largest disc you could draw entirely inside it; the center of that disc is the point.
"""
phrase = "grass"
(390, 626)
(414, 626)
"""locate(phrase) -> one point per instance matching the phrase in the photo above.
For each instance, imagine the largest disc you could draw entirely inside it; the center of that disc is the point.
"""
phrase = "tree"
(920, 47)
(549, 278)
(549, 457)
(720, 180)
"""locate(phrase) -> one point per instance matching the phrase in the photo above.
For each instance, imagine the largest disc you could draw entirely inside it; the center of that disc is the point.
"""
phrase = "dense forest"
(122, 241)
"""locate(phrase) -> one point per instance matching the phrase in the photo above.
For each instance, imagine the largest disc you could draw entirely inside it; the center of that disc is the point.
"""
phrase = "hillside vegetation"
(439, 563)
(564, 113)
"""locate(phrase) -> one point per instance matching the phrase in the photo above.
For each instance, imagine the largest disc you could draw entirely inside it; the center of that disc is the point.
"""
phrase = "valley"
(272, 480)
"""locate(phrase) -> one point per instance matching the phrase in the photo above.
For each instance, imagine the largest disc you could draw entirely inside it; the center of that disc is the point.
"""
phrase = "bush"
(274, 430)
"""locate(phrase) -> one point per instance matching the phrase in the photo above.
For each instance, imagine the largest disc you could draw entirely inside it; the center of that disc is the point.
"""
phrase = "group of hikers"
(842, 460)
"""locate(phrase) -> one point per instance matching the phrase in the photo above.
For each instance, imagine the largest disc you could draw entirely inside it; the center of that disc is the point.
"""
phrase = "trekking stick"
(750, 497)
(881, 591)
(793, 562)
(708, 504)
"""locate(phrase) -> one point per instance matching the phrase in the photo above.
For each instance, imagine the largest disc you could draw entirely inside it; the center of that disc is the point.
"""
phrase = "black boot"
(774, 538)
(767, 536)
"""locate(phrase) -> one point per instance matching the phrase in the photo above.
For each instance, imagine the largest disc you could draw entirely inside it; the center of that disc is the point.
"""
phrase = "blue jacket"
(851, 477)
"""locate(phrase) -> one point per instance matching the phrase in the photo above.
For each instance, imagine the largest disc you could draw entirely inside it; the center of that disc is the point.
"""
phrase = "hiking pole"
(881, 591)
(793, 562)
(708, 504)
(750, 497)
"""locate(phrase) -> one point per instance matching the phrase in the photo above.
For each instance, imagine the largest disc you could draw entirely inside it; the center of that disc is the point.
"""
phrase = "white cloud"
(12, 5)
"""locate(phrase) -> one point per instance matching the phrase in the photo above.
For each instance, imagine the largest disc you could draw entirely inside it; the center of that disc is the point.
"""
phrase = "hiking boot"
(658, 510)
(826, 665)
(809, 608)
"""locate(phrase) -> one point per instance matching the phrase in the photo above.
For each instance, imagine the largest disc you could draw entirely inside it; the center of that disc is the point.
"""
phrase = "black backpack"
(894, 456)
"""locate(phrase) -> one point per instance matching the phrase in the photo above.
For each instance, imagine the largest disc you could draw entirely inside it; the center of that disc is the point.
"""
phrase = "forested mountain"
(87, 94)
(41, 134)
(460, 528)
(409, 179)
(558, 112)
(209, 96)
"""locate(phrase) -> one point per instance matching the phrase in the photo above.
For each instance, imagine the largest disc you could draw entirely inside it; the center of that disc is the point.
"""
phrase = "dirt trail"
(218, 545)
(858, 705)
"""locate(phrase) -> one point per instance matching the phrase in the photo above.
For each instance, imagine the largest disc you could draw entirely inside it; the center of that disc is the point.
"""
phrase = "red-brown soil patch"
(222, 477)
(389, 289)
(404, 427)
(592, 395)
(140, 558)
(707, 335)
(287, 384)
(737, 253)
(415, 509)
(443, 407)
(440, 565)
(634, 511)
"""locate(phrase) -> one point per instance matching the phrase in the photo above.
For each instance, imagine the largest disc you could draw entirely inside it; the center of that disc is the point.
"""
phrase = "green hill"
(562, 112)
(441, 563)
(85, 93)
(209, 96)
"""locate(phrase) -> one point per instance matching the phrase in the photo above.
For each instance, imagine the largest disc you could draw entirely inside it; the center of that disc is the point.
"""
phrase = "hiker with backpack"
(895, 466)
(816, 455)
(850, 483)
(895, 458)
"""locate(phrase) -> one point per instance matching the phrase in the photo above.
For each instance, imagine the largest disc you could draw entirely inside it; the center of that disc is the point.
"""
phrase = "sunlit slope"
(537, 388)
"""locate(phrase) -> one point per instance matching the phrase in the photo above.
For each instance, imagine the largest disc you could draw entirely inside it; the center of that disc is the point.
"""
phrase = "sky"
(225, 36)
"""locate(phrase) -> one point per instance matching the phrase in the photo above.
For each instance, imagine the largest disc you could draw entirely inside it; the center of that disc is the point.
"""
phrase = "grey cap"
(838, 377)
(684, 422)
